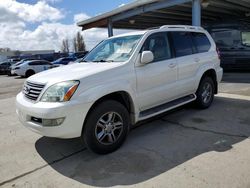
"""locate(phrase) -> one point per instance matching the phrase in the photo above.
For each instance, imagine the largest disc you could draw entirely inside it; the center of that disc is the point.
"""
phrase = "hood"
(71, 72)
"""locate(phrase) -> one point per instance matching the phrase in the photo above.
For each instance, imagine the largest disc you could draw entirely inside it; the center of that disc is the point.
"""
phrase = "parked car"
(5, 67)
(123, 80)
(28, 68)
(234, 45)
(11, 71)
(63, 60)
(14, 60)
(78, 55)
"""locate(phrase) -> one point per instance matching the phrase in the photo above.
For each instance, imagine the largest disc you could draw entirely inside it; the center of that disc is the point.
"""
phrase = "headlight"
(60, 92)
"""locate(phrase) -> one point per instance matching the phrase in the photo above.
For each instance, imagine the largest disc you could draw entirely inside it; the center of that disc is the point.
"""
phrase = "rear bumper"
(73, 112)
(219, 74)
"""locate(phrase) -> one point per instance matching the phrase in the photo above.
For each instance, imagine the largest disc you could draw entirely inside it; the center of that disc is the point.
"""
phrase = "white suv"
(30, 67)
(123, 80)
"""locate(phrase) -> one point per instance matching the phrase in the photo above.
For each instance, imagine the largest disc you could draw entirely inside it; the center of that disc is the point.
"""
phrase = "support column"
(196, 13)
(110, 28)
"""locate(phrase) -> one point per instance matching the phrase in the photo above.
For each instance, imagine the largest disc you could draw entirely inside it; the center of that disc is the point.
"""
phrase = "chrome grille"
(32, 90)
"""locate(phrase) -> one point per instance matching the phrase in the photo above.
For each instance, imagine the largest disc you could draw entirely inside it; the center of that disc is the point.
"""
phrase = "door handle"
(172, 65)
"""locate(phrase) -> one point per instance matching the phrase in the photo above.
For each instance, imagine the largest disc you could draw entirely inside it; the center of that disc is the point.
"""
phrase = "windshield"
(245, 38)
(113, 50)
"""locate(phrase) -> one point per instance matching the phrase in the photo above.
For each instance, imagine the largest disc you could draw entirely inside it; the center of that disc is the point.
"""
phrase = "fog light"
(52, 122)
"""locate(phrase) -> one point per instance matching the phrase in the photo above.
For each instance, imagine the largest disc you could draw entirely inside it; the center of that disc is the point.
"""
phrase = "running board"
(167, 106)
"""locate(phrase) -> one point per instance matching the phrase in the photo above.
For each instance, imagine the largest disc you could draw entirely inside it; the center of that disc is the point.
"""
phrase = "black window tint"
(34, 63)
(182, 42)
(158, 44)
(201, 42)
(44, 63)
(67, 59)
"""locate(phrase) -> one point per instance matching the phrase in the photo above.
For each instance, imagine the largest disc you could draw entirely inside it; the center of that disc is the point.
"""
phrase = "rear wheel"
(106, 127)
(29, 73)
(205, 93)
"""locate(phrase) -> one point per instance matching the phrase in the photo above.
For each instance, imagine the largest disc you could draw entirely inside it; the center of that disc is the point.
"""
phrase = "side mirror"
(147, 57)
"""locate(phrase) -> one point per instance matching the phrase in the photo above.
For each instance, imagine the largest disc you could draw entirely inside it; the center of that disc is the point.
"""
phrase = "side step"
(167, 106)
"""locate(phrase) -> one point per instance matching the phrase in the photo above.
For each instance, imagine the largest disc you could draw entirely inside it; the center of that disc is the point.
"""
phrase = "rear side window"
(201, 42)
(182, 43)
(158, 44)
(36, 63)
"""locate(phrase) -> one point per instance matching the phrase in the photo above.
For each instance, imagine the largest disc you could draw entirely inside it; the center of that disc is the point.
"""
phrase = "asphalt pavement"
(184, 148)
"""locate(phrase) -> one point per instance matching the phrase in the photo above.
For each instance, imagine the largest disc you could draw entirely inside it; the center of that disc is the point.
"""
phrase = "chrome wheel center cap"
(109, 127)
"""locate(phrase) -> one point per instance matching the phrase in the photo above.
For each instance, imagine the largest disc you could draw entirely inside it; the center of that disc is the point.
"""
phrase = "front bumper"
(73, 111)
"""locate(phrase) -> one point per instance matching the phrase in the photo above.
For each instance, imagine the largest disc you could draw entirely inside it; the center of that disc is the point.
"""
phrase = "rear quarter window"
(201, 42)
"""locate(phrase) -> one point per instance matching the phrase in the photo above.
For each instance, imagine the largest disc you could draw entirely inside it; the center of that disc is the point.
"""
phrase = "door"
(188, 62)
(37, 66)
(156, 80)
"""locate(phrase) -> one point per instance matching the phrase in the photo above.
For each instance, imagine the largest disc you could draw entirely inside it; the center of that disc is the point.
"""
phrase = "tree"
(78, 43)
(5, 49)
(65, 46)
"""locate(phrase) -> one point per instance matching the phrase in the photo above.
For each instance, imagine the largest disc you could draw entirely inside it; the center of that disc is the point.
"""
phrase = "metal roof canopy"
(143, 14)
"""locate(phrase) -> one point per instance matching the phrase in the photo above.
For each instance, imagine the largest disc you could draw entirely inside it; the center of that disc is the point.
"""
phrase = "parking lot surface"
(184, 148)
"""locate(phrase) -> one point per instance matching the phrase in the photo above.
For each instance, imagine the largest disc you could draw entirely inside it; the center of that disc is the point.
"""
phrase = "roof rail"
(181, 27)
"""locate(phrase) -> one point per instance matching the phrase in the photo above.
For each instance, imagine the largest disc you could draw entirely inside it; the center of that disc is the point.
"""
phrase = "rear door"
(156, 80)
(187, 62)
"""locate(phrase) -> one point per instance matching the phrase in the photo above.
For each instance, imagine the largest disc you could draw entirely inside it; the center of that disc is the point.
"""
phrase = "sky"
(43, 24)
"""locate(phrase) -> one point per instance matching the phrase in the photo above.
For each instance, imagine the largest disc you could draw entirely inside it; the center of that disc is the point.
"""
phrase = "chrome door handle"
(172, 65)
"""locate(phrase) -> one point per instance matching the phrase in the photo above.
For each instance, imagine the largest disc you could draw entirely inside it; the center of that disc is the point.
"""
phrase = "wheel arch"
(122, 97)
(212, 74)
(29, 70)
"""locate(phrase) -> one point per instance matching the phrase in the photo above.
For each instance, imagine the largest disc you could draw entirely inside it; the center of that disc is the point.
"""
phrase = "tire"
(29, 73)
(205, 93)
(100, 134)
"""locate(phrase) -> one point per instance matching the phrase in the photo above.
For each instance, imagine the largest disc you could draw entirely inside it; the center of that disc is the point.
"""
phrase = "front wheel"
(205, 93)
(106, 127)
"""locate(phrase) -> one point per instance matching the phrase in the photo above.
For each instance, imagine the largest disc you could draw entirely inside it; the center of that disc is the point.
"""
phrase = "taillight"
(218, 52)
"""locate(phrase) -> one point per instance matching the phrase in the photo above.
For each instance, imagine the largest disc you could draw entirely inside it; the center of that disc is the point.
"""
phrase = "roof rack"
(181, 27)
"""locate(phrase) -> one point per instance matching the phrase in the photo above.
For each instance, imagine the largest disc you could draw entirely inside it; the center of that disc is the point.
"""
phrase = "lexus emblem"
(26, 90)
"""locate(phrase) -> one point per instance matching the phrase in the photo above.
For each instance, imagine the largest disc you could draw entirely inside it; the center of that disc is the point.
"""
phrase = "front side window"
(245, 35)
(201, 42)
(182, 42)
(113, 50)
(158, 44)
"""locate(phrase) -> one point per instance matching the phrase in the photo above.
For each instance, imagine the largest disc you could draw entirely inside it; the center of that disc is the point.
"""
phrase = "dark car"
(63, 60)
(233, 43)
(5, 67)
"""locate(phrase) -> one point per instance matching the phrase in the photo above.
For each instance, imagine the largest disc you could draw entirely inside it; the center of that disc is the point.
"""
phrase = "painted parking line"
(233, 96)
